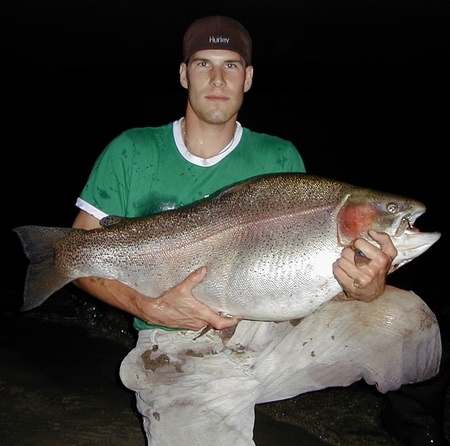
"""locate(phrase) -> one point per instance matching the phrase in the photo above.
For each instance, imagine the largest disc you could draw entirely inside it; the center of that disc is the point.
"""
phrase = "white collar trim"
(197, 160)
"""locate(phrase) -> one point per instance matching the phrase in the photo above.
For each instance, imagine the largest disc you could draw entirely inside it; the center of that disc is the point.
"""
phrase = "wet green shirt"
(148, 170)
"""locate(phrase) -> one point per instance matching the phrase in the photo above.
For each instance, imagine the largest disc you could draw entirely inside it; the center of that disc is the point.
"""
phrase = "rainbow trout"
(268, 243)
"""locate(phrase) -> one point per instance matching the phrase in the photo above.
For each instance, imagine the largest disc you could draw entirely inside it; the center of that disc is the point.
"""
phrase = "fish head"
(365, 209)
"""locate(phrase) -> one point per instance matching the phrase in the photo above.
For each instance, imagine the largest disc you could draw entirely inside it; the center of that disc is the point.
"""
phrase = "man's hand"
(362, 268)
(177, 307)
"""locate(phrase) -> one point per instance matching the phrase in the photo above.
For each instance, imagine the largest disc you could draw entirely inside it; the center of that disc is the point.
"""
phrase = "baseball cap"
(217, 33)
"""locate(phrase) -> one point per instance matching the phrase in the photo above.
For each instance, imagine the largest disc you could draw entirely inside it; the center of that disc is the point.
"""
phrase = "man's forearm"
(112, 292)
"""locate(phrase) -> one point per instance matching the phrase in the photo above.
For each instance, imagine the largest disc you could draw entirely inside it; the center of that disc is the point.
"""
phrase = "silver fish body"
(268, 243)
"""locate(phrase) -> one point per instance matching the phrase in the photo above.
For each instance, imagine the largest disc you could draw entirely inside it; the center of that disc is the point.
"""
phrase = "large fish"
(268, 243)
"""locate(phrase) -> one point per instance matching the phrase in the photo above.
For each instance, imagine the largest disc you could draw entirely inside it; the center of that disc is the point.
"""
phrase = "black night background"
(360, 87)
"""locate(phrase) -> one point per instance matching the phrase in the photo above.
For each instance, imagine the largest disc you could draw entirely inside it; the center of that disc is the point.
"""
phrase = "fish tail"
(42, 278)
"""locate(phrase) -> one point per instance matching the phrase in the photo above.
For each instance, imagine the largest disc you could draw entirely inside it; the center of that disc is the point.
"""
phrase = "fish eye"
(392, 208)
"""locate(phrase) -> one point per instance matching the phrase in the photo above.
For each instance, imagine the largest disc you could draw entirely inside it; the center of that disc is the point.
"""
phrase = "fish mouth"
(411, 244)
(407, 225)
(409, 241)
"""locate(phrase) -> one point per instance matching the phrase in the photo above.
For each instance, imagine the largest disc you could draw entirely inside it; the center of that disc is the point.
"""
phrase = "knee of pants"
(398, 314)
(407, 338)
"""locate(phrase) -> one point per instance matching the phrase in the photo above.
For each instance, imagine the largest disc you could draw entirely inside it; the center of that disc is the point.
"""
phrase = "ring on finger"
(357, 283)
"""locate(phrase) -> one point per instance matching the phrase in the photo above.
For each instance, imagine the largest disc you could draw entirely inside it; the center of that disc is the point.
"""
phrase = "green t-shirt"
(142, 171)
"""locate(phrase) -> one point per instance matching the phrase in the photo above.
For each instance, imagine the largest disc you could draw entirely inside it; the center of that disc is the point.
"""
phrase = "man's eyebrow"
(205, 59)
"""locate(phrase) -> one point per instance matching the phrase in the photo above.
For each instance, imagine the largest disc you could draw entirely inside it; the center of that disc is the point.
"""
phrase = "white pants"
(199, 391)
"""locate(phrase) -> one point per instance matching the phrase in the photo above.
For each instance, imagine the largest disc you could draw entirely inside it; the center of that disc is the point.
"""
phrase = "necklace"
(186, 140)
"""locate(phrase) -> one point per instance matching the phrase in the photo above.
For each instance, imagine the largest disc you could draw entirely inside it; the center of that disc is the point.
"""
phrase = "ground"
(59, 386)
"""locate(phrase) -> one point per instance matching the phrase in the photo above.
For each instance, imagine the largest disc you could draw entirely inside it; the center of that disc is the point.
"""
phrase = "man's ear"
(183, 75)
(248, 78)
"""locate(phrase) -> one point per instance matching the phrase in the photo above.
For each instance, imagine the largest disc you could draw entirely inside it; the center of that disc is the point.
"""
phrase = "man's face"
(216, 81)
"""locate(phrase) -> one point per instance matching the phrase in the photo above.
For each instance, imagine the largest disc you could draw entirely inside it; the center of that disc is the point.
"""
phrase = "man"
(191, 387)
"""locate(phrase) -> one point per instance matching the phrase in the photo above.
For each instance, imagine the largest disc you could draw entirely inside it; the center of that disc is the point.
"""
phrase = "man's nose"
(217, 78)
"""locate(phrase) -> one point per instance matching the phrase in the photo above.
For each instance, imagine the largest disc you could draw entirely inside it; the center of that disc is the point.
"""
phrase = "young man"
(197, 390)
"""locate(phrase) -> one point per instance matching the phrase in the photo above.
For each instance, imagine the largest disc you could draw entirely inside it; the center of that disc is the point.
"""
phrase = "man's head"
(220, 33)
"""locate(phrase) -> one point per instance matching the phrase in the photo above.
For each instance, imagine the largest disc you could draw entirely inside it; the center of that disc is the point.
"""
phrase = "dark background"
(360, 87)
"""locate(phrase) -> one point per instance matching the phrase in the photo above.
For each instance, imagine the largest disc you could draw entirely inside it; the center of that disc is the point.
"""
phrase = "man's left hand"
(362, 268)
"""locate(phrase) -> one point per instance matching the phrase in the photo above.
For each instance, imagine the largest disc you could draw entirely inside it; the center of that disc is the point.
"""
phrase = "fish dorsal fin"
(110, 220)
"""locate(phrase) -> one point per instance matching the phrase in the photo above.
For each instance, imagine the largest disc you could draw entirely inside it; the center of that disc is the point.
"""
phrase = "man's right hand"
(178, 308)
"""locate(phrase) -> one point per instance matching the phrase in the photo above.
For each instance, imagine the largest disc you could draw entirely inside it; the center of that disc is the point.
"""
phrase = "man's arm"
(175, 308)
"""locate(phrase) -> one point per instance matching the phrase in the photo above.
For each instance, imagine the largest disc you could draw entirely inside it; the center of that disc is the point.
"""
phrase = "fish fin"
(295, 322)
(226, 333)
(203, 331)
(42, 278)
(110, 220)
